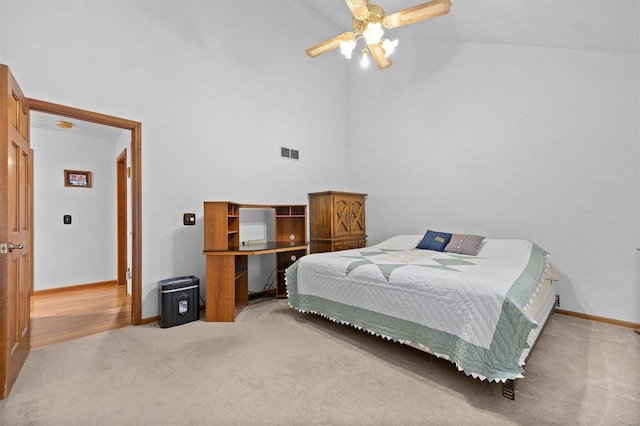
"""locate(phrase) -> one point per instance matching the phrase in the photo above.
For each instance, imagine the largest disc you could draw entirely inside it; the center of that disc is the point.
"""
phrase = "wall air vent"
(294, 154)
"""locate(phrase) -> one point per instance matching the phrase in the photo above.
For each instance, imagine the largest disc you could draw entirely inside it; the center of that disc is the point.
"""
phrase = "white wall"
(218, 91)
(508, 142)
(84, 251)
(4, 36)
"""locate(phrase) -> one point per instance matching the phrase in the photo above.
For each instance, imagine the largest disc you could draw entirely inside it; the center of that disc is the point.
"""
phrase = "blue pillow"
(433, 240)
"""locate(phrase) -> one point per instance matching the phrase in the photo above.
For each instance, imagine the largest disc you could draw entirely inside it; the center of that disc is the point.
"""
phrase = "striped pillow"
(464, 244)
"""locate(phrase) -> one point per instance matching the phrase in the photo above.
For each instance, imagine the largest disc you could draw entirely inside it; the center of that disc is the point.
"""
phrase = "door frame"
(136, 186)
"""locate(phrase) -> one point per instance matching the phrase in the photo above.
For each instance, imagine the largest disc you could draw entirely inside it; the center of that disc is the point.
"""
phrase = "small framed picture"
(77, 178)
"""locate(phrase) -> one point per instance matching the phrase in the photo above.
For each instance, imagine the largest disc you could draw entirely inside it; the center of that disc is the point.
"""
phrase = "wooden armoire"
(336, 221)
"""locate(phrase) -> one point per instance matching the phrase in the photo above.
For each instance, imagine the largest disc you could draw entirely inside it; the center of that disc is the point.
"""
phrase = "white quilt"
(468, 309)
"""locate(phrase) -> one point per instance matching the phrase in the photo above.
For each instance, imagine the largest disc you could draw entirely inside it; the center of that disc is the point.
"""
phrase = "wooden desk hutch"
(227, 259)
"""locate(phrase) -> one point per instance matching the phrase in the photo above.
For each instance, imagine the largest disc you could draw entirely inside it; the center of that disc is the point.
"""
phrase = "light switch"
(66, 219)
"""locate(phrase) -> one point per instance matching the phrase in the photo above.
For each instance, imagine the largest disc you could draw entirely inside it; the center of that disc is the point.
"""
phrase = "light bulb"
(373, 33)
(389, 46)
(364, 62)
(346, 47)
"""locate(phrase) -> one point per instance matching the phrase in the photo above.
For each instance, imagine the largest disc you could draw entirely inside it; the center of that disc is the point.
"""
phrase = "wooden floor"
(66, 315)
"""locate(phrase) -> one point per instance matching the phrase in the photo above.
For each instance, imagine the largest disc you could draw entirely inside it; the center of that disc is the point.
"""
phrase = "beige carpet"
(277, 366)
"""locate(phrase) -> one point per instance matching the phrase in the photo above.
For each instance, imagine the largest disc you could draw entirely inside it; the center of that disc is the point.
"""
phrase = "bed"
(482, 311)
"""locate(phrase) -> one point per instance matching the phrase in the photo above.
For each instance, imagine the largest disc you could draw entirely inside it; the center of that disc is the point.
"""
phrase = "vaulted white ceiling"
(608, 25)
(604, 25)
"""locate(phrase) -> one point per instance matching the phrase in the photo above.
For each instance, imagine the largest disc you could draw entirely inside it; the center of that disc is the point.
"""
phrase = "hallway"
(65, 315)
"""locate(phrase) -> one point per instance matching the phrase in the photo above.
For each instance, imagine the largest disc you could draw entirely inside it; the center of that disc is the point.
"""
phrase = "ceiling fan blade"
(377, 53)
(332, 43)
(417, 13)
(358, 8)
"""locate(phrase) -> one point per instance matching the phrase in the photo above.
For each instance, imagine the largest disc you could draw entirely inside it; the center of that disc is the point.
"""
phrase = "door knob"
(13, 247)
(4, 247)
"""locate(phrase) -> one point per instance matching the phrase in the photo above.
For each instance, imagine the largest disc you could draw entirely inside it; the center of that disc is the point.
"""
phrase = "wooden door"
(16, 266)
(357, 224)
(121, 208)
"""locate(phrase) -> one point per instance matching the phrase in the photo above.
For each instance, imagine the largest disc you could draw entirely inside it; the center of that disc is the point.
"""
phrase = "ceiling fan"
(368, 20)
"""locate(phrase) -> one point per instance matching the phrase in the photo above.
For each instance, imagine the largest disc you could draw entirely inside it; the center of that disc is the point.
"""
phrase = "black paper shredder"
(178, 301)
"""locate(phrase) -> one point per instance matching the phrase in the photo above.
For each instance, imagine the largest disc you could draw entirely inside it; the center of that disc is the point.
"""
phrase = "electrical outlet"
(189, 219)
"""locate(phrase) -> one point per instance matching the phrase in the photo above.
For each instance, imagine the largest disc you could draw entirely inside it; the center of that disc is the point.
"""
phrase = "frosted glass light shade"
(346, 47)
(373, 33)
(389, 47)
(364, 62)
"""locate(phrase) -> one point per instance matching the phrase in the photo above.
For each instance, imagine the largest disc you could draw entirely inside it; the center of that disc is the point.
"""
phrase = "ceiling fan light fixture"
(346, 48)
(389, 46)
(368, 21)
(64, 124)
(373, 33)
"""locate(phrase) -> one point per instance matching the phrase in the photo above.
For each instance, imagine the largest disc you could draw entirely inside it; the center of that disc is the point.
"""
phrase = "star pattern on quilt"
(387, 268)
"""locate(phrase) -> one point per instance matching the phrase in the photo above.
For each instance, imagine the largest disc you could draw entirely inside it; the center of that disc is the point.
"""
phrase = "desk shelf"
(241, 281)
(227, 260)
(283, 261)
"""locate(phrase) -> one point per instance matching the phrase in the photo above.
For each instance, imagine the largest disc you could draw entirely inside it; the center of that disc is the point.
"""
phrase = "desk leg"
(220, 298)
